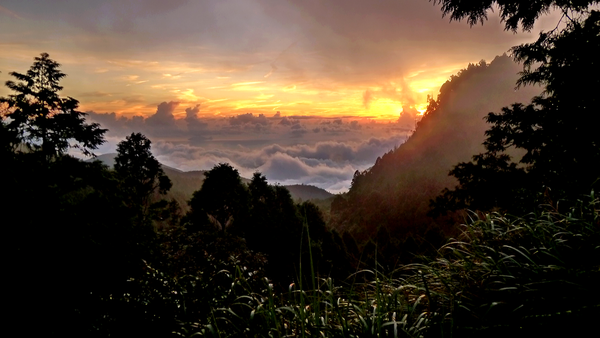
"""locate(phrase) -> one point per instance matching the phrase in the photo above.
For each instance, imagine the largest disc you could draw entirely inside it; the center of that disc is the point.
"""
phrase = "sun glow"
(421, 108)
(137, 87)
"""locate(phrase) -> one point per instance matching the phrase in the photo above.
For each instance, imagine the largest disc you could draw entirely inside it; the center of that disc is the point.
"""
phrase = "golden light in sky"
(127, 56)
(211, 75)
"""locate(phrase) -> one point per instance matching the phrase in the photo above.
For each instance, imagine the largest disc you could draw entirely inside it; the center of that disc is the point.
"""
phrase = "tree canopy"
(139, 169)
(555, 132)
(42, 119)
(514, 13)
(222, 200)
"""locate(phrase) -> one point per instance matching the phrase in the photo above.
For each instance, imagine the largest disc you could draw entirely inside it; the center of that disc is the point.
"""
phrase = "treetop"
(514, 13)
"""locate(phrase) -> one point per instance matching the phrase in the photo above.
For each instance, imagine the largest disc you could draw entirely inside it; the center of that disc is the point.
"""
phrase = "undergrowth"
(525, 276)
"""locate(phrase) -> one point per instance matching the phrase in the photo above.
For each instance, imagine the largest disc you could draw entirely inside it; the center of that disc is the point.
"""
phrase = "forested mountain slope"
(395, 193)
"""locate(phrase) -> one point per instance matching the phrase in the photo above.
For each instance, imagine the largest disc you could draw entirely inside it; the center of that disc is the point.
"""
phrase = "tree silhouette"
(43, 120)
(514, 13)
(141, 172)
(222, 201)
(9, 140)
(555, 131)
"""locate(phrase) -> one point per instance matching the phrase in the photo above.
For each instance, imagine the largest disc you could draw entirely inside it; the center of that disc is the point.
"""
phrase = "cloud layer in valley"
(287, 149)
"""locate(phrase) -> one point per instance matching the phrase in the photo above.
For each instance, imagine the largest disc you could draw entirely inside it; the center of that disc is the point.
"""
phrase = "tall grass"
(521, 276)
(367, 304)
(373, 309)
(503, 276)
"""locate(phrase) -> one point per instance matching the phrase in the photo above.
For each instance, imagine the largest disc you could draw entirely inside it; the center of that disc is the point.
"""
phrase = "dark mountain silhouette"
(185, 183)
(307, 192)
(395, 193)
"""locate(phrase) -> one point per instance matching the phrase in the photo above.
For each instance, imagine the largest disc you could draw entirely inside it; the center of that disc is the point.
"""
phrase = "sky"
(304, 91)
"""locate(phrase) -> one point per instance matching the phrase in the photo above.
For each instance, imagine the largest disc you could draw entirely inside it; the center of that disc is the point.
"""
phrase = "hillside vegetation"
(395, 193)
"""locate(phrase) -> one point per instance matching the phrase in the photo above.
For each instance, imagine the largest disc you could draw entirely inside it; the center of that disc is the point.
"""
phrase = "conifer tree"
(43, 120)
(141, 172)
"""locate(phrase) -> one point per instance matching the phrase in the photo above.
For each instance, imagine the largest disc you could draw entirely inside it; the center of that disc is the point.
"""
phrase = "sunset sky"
(198, 74)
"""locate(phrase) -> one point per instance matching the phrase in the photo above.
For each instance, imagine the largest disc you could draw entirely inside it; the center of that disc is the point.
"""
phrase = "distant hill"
(106, 159)
(396, 191)
(307, 192)
(185, 183)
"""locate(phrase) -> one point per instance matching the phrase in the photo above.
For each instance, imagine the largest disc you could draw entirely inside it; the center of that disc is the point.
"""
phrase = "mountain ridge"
(395, 192)
(185, 183)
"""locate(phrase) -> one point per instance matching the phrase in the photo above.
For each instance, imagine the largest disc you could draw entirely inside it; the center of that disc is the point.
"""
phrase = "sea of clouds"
(316, 150)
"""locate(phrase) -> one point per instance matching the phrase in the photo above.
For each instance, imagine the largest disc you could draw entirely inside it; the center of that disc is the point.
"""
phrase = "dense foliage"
(388, 204)
(269, 221)
(91, 251)
(522, 277)
(141, 173)
(514, 13)
(559, 145)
